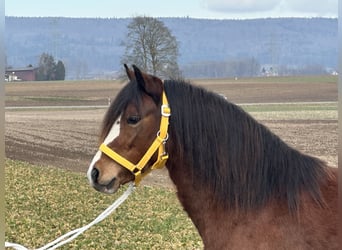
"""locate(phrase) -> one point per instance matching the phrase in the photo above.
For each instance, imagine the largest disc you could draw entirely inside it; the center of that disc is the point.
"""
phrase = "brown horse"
(241, 185)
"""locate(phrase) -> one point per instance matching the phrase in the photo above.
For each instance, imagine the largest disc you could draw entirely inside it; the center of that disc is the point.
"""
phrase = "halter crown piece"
(158, 144)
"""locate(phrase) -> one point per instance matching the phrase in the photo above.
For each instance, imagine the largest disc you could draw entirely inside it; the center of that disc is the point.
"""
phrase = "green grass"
(46, 98)
(52, 98)
(290, 107)
(296, 79)
(275, 79)
(293, 79)
(42, 203)
(293, 111)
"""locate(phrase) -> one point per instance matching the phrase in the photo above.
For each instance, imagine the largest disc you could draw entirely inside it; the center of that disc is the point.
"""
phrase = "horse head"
(129, 129)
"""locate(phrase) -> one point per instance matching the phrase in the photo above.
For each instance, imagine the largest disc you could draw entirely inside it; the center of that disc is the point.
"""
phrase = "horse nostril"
(95, 174)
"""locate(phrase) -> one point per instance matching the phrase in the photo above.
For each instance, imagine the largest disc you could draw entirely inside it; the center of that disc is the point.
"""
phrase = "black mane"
(241, 160)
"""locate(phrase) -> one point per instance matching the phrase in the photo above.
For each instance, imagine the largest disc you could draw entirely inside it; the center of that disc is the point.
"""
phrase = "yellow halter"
(159, 143)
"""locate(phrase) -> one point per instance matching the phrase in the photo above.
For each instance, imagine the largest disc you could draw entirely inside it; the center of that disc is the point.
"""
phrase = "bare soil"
(67, 138)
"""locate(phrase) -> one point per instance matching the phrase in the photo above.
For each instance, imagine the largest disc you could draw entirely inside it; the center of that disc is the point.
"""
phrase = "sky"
(209, 9)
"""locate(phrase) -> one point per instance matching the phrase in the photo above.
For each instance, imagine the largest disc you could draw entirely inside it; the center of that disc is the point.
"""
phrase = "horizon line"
(183, 17)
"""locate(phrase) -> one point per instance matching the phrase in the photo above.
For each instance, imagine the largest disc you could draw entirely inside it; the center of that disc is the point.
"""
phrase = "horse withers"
(241, 185)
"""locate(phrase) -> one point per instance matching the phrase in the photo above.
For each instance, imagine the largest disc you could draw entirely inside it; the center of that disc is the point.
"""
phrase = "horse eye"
(134, 119)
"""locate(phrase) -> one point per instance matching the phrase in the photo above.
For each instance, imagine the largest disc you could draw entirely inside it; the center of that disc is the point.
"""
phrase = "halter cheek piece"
(158, 144)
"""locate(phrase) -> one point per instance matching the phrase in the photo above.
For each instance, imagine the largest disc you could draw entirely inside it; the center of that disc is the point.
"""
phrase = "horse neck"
(194, 201)
(212, 220)
(199, 203)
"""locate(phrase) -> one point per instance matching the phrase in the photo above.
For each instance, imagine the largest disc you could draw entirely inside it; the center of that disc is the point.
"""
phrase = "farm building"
(20, 74)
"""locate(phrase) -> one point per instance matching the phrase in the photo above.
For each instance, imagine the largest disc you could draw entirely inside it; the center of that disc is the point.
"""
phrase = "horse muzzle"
(106, 176)
(108, 187)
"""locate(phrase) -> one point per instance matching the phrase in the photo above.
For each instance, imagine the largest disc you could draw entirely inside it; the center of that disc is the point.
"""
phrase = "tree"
(151, 46)
(48, 69)
(59, 71)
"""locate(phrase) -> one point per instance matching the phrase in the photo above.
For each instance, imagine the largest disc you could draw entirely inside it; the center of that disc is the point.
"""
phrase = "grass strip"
(43, 203)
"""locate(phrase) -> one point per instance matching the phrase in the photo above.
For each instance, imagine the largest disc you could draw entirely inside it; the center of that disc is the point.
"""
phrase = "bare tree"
(150, 45)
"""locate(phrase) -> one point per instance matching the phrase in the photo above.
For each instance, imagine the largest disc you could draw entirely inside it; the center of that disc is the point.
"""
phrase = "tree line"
(150, 45)
(96, 52)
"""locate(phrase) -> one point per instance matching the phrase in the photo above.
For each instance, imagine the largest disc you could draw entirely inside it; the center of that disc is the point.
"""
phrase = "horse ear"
(130, 73)
(152, 85)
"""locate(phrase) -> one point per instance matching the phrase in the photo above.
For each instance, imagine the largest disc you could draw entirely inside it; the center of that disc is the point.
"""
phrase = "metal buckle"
(165, 110)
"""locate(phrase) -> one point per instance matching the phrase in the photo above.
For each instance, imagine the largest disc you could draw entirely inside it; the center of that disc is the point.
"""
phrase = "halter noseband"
(158, 144)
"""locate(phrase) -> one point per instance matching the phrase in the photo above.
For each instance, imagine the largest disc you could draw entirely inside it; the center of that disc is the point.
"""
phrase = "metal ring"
(164, 139)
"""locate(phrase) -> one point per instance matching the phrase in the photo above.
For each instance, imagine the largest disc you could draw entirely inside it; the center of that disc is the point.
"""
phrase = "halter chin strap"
(158, 144)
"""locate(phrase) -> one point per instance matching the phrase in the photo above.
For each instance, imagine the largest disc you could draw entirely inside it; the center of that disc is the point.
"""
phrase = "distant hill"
(92, 47)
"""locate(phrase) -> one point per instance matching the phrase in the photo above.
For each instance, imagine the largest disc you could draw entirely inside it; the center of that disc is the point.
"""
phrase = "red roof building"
(20, 74)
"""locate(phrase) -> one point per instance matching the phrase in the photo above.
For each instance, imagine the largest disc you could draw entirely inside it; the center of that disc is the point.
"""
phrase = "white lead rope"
(75, 233)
